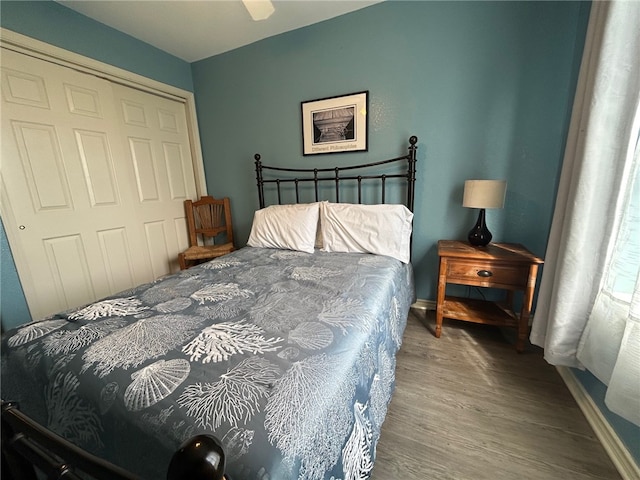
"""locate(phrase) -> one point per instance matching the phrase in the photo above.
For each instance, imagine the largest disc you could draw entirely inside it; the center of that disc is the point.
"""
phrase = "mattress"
(287, 357)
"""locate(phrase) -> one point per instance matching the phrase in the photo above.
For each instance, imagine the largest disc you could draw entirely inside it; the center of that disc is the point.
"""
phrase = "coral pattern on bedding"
(287, 357)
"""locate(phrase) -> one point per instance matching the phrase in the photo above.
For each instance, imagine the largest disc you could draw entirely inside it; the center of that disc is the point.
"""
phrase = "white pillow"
(379, 229)
(291, 227)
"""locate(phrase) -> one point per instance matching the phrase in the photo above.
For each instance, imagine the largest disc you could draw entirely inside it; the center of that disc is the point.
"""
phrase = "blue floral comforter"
(287, 357)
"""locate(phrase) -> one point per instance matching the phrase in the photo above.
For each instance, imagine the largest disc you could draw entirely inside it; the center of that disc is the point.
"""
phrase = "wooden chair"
(206, 219)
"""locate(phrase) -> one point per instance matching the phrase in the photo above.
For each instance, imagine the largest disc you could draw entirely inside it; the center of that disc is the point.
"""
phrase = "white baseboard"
(422, 304)
(620, 456)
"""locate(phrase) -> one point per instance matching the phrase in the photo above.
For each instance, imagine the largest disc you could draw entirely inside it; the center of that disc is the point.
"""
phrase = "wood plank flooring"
(468, 407)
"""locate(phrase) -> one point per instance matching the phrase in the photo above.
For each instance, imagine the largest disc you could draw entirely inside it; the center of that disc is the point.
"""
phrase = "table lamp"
(483, 194)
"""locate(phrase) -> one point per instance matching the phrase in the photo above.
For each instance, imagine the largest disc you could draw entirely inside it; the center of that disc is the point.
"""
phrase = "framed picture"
(335, 124)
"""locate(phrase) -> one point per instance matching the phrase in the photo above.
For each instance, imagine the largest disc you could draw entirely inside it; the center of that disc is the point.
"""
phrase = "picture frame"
(335, 124)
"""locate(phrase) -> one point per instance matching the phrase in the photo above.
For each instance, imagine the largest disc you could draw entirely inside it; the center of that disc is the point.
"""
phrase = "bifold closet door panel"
(78, 226)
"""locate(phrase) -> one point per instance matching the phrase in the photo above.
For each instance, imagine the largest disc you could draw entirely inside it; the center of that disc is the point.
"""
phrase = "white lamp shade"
(484, 193)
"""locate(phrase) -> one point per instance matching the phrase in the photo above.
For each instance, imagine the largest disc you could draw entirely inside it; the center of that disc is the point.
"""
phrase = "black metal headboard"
(316, 176)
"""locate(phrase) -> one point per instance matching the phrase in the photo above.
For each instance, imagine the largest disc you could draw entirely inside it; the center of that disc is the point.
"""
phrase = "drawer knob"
(485, 273)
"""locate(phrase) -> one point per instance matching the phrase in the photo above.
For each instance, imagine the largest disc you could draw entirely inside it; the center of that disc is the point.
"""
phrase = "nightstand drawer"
(487, 273)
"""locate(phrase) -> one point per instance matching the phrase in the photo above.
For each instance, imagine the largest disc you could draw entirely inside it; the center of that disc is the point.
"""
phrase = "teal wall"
(486, 86)
(13, 306)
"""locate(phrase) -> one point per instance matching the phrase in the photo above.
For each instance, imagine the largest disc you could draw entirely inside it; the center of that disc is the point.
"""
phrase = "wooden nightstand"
(507, 266)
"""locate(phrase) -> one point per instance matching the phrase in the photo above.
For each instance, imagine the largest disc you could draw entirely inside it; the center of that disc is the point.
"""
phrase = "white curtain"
(588, 310)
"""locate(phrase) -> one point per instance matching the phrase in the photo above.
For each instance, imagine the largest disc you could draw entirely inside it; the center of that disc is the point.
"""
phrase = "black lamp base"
(480, 236)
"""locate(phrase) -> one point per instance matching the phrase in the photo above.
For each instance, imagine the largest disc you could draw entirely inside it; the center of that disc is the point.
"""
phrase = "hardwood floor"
(467, 406)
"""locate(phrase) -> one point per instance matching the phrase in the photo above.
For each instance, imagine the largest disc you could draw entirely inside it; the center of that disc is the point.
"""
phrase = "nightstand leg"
(527, 303)
(442, 286)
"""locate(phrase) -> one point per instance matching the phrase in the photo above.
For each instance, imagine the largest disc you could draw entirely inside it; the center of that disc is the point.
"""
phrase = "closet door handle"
(485, 273)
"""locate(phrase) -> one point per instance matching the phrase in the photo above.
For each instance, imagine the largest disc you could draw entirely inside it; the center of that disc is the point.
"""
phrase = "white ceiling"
(193, 30)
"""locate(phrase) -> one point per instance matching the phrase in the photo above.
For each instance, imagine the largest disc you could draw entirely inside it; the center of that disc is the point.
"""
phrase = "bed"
(283, 350)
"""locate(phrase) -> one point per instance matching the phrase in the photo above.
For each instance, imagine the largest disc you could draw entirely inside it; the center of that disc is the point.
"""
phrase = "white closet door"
(157, 149)
(78, 173)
